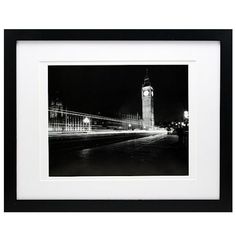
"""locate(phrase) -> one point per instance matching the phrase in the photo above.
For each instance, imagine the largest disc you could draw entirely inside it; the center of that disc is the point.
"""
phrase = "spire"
(146, 76)
(146, 79)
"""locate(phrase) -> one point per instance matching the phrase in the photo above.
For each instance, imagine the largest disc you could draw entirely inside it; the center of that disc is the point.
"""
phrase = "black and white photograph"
(118, 120)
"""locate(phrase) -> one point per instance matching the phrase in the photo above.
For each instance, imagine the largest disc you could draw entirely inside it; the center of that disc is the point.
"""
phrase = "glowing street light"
(129, 125)
(86, 120)
(186, 115)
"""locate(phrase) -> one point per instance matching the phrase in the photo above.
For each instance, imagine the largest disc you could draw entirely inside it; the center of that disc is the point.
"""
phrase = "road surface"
(156, 154)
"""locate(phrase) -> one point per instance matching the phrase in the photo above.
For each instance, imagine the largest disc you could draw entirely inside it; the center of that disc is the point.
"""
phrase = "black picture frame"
(11, 204)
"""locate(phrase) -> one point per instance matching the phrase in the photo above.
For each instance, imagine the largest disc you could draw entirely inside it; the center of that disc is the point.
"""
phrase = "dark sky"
(113, 89)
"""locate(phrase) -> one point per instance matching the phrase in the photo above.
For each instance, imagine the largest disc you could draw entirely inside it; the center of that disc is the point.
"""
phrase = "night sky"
(108, 90)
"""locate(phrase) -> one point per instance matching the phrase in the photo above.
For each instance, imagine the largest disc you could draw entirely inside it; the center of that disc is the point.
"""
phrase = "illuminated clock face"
(146, 93)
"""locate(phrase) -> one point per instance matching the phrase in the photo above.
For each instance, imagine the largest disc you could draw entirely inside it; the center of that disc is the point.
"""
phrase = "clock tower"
(147, 103)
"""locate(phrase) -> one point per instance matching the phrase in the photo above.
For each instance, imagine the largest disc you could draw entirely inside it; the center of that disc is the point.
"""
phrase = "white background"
(113, 14)
(203, 61)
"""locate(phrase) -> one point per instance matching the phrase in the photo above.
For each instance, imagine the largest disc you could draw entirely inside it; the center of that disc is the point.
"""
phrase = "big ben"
(147, 103)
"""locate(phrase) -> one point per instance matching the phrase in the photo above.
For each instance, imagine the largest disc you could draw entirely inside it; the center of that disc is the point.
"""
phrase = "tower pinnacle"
(146, 76)
(146, 79)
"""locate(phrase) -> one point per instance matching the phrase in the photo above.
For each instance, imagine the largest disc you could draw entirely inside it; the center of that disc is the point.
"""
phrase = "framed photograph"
(118, 120)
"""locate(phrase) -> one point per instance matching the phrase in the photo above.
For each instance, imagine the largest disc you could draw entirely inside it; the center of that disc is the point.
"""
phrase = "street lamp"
(86, 120)
(186, 115)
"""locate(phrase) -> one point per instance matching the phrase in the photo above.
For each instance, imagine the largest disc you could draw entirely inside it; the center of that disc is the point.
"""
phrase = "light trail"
(109, 132)
(91, 116)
